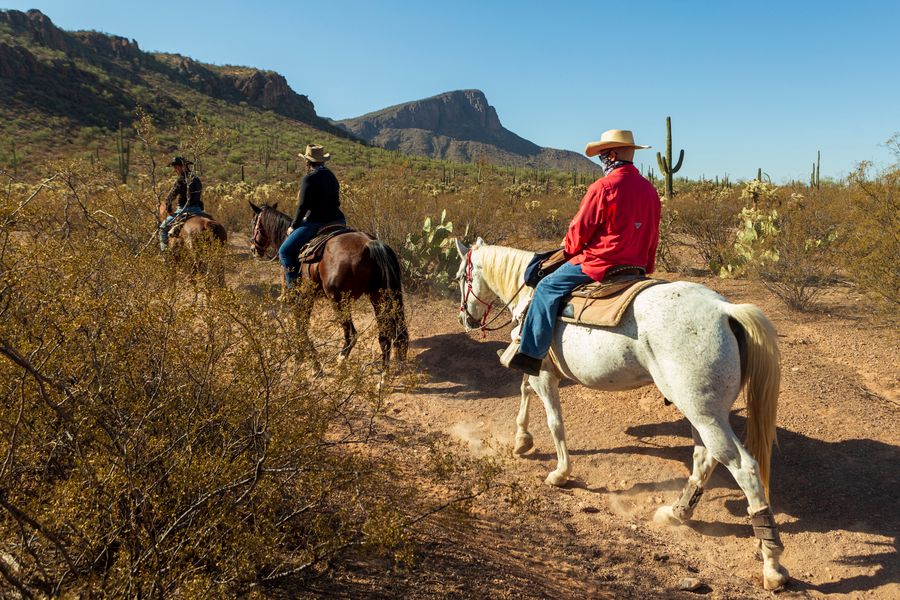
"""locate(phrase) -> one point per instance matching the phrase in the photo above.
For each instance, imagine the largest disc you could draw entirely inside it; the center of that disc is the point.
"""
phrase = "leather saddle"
(314, 249)
(603, 303)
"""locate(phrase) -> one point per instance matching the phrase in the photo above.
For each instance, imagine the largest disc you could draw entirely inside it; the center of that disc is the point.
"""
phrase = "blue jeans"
(537, 330)
(165, 225)
(290, 249)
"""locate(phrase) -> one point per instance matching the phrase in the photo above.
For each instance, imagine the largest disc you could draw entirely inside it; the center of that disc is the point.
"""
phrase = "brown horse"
(195, 228)
(353, 264)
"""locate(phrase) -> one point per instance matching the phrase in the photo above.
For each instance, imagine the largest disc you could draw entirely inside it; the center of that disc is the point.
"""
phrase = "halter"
(483, 324)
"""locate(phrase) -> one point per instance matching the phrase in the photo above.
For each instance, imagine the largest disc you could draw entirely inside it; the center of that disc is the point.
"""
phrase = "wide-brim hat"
(614, 138)
(180, 161)
(316, 154)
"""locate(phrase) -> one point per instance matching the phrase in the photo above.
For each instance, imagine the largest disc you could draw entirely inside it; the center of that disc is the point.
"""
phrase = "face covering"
(609, 165)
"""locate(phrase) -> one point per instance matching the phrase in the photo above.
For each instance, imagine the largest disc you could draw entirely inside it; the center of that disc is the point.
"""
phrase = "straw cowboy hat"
(316, 154)
(614, 138)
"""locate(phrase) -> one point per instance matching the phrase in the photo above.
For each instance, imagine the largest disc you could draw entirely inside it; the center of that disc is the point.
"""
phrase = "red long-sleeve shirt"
(617, 224)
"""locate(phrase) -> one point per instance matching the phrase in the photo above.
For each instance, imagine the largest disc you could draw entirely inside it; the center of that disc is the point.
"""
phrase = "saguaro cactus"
(123, 149)
(665, 162)
(814, 177)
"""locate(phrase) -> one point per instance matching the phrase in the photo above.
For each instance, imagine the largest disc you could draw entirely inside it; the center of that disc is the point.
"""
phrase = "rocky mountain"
(97, 79)
(459, 126)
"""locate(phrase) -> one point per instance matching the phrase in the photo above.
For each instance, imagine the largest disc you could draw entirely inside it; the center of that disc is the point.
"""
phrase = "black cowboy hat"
(179, 161)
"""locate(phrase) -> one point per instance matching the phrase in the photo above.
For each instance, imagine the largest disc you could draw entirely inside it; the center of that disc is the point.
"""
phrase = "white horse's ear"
(461, 248)
(478, 243)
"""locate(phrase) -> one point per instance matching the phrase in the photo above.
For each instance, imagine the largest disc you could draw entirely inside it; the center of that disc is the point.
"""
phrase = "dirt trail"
(835, 486)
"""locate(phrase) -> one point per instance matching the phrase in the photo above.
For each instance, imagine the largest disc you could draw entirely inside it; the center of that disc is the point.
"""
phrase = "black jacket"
(320, 197)
(187, 194)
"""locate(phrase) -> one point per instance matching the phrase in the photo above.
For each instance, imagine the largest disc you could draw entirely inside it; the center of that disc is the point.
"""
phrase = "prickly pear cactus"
(428, 255)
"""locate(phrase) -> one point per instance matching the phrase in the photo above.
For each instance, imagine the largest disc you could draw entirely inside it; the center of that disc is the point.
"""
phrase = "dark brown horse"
(353, 264)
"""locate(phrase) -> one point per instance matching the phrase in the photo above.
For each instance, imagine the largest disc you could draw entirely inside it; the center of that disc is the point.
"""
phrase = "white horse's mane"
(504, 268)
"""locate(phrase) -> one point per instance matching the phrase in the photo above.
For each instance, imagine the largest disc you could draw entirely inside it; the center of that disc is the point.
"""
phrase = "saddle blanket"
(602, 304)
(314, 249)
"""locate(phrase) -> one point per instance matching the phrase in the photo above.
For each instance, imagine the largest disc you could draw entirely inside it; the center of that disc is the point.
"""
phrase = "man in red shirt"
(616, 229)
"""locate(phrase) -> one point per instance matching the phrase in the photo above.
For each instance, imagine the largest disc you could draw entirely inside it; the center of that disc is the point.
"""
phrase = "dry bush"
(707, 219)
(161, 436)
(666, 258)
(871, 232)
(229, 203)
(802, 250)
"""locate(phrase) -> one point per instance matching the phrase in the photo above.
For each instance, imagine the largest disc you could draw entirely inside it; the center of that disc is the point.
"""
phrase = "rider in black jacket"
(187, 190)
(318, 204)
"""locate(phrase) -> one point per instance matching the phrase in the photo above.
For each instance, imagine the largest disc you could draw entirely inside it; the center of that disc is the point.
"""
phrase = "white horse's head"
(476, 298)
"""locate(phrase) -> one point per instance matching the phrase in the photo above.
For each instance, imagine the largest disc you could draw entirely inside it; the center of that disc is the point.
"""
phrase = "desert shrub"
(229, 202)
(668, 230)
(549, 226)
(161, 435)
(870, 239)
(707, 220)
(797, 259)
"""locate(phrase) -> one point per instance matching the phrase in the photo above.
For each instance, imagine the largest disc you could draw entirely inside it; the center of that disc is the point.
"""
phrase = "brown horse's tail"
(386, 281)
(219, 231)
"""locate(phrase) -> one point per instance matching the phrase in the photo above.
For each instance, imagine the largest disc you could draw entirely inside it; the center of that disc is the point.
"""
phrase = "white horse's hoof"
(665, 516)
(557, 479)
(524, 443)
(775, 578)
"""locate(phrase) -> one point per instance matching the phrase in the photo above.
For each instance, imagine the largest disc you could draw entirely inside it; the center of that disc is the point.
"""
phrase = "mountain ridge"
(456, 125)
(52, 53)
(76, 89)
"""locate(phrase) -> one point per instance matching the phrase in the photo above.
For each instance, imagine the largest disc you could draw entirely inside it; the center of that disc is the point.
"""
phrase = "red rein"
(470, 291)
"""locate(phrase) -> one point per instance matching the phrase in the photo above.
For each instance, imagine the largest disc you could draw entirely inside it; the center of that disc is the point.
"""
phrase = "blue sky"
(747, 84)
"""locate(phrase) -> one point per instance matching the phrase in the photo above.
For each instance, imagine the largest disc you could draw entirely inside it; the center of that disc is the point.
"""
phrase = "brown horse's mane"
(276, 223)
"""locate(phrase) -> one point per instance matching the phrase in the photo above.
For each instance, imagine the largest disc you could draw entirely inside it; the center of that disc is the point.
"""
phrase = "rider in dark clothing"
(187, 190)
(318, 204)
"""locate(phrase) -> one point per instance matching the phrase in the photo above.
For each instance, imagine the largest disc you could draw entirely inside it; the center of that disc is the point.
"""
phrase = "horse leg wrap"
(765, 529)
(690, 496)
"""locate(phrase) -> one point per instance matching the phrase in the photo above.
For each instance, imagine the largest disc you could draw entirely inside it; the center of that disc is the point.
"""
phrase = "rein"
(484, 322)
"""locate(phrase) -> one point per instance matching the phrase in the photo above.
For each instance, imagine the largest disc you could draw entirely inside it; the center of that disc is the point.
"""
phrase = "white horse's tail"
(762, 373)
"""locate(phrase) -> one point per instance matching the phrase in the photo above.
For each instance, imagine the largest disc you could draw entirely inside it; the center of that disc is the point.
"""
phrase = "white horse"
(694, 345)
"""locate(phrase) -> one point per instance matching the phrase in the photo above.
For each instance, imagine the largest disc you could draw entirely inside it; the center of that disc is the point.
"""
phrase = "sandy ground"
(835, 484)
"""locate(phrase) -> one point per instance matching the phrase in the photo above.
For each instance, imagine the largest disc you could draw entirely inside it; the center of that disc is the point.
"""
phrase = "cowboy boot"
(287, 290)
(511, 358)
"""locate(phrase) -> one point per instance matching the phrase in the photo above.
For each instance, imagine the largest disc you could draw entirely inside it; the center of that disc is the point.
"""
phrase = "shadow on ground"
(849, 485)
(466, 366)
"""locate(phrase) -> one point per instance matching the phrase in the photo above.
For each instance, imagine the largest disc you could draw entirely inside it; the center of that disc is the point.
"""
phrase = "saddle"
(603, 303)
(314, 249)
(177, 224)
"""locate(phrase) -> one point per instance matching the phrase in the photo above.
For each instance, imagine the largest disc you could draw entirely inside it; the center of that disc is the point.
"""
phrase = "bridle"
(470, 291)
(259, 246)
(259, 241)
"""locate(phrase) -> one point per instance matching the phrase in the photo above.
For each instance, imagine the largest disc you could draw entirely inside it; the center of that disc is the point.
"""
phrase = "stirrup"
(507, 355)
